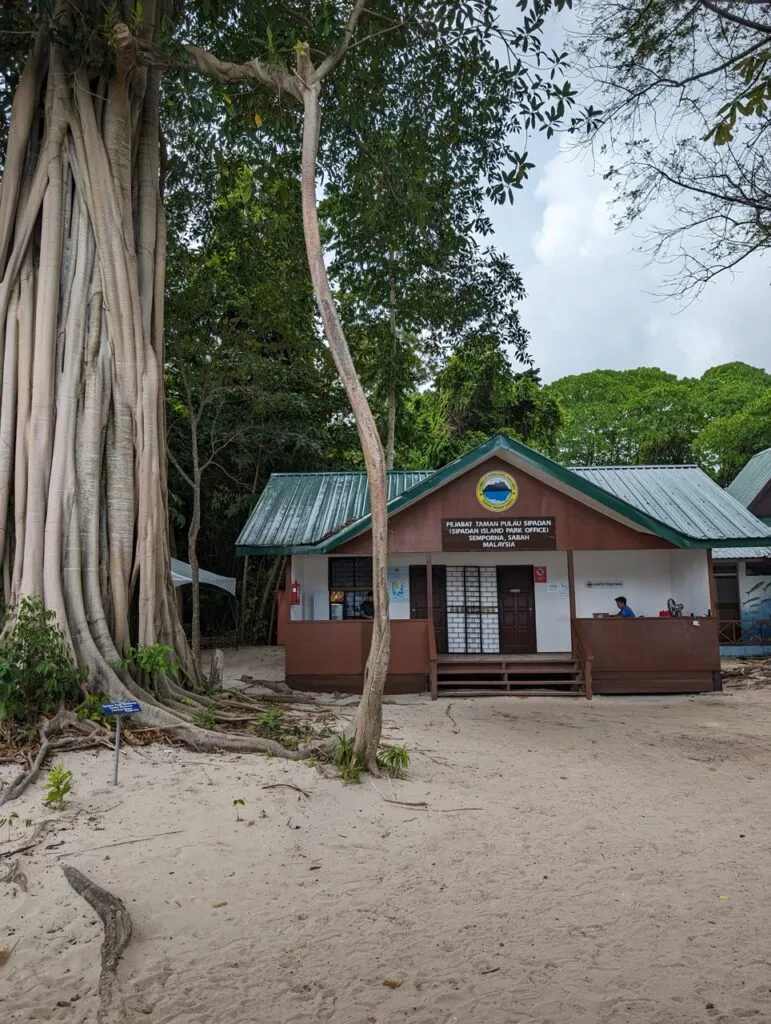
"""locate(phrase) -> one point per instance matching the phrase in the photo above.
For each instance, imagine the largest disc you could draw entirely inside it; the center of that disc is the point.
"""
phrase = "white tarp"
(181, 573)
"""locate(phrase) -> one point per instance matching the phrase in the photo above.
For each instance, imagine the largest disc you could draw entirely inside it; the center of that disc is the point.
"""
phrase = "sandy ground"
(604, 861)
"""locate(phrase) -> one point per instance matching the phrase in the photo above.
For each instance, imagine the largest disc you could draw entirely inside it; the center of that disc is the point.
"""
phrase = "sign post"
(119, 709)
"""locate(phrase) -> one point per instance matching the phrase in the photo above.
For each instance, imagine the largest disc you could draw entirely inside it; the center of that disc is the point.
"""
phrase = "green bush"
(394, 761)
(154, 659)
(37, 669)
(91, 709)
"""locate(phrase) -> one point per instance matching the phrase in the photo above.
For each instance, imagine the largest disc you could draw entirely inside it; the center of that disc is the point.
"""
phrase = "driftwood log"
(117, 934)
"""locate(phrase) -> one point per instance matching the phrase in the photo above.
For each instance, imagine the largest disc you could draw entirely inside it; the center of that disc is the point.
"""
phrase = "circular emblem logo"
(497, 491)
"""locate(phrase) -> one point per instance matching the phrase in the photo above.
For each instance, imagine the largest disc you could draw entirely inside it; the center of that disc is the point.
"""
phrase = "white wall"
(690, 581)
(643, 577)
(312, 573)
(646, 578)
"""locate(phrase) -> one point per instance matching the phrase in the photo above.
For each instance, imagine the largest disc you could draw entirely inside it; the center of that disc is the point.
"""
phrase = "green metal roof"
(683, 497)
(751, 480)
(317, 512)
(297, 510)
(740, 554)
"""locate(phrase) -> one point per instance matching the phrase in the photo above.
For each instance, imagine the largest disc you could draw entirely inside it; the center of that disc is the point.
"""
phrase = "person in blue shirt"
(623, 608)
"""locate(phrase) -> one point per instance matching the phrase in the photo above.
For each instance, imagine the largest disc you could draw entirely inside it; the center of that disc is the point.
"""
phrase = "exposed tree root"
(48, 729)
(16, 876)
(117, 934)
(56, 736)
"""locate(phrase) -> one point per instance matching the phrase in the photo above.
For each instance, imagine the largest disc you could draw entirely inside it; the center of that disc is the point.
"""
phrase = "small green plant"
(9, 822)
(270, 723)
(205, 718)
(349, 766)
(91, 709)
(37, 669)
(394, 761)
(238, 802)
(154, 659)
(12, 821)
(59, 786)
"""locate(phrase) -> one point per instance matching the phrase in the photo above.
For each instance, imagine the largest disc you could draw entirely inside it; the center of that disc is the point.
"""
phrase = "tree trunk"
(192, 539)
(369, 719)
(81, 225)
(83, 510)
(245, 574)
(391, 429)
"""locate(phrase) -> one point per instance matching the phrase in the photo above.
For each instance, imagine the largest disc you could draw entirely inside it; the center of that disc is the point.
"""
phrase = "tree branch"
(173, 460)
(737, 19)
(272, 77)
(339, 51)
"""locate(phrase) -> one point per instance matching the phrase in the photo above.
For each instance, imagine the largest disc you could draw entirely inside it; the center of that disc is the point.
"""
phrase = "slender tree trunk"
(369, 720)
(245, 573)
(391, 430)
(192, 542)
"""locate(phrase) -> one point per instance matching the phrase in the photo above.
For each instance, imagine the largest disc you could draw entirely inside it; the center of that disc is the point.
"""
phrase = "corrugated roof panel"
(740, 554)
(682, 497)
(300, 509)
(752, 479)
(681, 503)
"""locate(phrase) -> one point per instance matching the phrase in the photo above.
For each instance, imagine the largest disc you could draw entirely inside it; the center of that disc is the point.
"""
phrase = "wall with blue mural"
(755, 594)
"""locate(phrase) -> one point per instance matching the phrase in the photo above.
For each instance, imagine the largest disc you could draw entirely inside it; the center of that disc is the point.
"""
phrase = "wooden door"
(516, 609)
(419, 601)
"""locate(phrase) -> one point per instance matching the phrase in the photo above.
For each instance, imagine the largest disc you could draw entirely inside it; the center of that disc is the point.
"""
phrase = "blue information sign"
(122, 707)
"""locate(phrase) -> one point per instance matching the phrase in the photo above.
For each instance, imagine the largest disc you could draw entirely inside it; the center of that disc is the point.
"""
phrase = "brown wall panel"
(653, 655)
(419, 527)
(341, 648)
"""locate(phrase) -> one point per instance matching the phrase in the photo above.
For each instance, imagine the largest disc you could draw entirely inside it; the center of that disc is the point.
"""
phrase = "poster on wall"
(558, 588)
(398, 584)
(539, 574)
(518, 534)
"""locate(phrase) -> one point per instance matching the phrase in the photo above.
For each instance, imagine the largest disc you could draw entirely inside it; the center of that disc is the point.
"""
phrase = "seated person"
(623, 608)
(367, 610)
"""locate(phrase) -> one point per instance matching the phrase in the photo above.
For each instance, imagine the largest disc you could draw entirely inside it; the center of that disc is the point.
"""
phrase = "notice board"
(515, 534)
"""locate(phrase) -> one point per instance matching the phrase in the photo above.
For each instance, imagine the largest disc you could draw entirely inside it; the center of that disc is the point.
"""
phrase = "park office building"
(502, 572)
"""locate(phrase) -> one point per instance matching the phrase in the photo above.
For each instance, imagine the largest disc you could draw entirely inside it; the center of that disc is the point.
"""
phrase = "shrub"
(349, 766)
(154, 659)
(58, 787)
(37, 669)
(394, 761)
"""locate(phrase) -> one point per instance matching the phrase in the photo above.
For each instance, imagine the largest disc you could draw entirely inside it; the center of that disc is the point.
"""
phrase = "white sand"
(616, 868)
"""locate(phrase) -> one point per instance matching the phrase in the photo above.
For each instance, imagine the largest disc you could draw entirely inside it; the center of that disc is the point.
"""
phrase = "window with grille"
(350, 579)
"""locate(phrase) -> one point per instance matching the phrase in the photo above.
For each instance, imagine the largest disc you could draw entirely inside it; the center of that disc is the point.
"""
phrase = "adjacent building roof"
(740, 554)
(316, 512)
(751, 480)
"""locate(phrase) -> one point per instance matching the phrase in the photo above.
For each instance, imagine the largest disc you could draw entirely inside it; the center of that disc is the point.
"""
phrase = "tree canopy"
(630, 417)
(685, 91)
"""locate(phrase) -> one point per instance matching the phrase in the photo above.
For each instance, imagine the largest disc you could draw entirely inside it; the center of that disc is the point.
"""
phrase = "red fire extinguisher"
(295, 593)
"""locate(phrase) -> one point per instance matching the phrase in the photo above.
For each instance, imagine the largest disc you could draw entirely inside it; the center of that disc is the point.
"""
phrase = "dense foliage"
(37, 670)
(627, 417)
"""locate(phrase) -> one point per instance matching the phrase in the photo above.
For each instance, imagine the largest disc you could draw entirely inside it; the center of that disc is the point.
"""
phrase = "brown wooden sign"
(499, 534)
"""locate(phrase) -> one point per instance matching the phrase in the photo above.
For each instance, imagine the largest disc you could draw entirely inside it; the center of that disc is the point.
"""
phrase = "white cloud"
(594, 300)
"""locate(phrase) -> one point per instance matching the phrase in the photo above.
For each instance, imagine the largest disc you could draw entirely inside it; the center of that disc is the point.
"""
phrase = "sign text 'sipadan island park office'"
(513, 534)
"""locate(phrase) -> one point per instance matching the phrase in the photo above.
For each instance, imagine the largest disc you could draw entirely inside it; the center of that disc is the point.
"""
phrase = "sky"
(596, 301)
